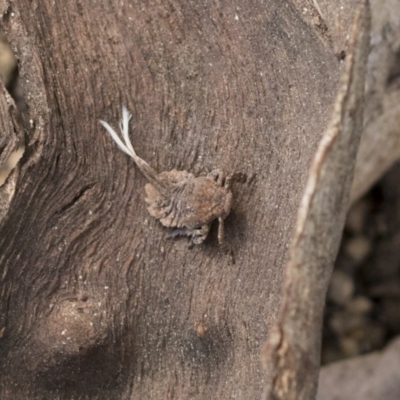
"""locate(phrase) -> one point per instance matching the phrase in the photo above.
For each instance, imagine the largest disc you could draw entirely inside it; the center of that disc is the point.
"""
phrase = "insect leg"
(221, 231)
(198, 234)
(217, 176)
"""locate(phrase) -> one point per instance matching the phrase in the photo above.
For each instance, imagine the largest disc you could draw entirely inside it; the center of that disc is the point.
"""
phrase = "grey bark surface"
(95, 301)
(380, 142)
(292, 351)
(373, 376)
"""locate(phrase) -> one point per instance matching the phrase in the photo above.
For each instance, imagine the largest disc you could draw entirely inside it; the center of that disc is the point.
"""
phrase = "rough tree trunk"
(96, 302)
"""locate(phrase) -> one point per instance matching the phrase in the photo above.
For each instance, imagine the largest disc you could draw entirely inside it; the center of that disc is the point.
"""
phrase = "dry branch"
(292, 351)
(96, 301)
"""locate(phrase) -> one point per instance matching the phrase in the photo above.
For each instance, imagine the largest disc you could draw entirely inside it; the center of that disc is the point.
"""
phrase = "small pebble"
(358, 248)
(356, 217)
(341, 288)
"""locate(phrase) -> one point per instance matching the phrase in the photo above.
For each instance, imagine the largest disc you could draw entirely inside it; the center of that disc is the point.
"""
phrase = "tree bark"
(96, 302)
(380, 142)
(292, 351)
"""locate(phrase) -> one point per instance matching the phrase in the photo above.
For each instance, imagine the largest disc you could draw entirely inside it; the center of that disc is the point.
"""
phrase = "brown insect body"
(178, 198)
(188, 202)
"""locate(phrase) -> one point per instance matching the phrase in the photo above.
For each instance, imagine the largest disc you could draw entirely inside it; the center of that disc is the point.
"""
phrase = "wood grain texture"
(11, 132)
(96, 302)
(9, 126)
